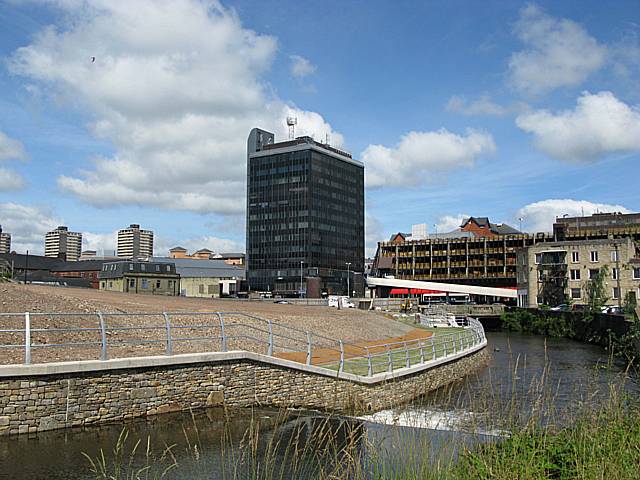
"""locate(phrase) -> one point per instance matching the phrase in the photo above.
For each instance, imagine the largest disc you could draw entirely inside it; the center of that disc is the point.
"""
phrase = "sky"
(117, 112)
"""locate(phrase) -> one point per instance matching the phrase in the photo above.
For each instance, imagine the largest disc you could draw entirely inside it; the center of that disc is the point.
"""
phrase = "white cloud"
(448, 223)
(301, 67)
(420, 154)
(373, 233)
(539, 216)
(558, 53)
(482, 106)
(162, 245)
(176, 87)
(27, 225)
(600, 124)
(10, 180)
(107, 242)
(11, 149)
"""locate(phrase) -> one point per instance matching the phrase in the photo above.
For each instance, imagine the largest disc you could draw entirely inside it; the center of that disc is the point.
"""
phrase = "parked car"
(578, 307)
(282, 301)
(612, 310)
(564, 307)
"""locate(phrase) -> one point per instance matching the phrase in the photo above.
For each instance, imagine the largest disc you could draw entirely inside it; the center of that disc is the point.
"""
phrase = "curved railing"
(39, 337)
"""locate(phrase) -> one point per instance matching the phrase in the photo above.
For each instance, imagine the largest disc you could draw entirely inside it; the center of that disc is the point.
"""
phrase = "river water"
(528, 377)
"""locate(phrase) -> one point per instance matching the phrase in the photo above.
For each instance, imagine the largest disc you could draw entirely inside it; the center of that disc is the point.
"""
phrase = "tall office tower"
(305, 217)
(61, 243)
(135, 243)
(5, 241)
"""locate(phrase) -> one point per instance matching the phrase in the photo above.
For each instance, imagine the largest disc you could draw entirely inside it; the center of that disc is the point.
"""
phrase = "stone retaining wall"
(59, 400)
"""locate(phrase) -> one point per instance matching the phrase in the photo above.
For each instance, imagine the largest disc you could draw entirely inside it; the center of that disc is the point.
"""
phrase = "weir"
(334, 376)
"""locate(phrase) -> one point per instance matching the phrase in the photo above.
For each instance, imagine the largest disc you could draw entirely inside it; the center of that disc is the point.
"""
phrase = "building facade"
(152, 278)
(556, 273)
(134, 243)
(478, 253)
(598, 226)
(5, 241)
(63, 244)
(206, 278)
(305, 217)
(86, 269)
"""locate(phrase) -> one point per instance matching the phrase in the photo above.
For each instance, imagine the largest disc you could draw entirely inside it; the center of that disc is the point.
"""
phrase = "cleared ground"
(349, 325)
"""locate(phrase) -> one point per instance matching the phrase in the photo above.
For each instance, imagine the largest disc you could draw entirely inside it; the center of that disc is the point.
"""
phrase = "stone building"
(140, 277)
(557, 272)
(205, 278)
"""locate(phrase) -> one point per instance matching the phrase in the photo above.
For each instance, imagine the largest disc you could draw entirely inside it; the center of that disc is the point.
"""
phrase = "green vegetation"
(539, 323)
(595, 291)
(601, 445)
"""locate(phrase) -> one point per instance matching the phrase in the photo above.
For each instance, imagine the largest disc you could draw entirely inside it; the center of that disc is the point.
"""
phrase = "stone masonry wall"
(36, 404)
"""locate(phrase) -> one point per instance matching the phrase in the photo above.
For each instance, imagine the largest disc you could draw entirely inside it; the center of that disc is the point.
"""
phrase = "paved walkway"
(321, 356)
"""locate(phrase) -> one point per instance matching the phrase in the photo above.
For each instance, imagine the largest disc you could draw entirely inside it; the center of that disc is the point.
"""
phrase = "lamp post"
(301, 263)
(348, 264)
(520, 220)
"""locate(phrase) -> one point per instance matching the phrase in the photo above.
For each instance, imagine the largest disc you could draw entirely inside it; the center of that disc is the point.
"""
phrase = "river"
(528, 376)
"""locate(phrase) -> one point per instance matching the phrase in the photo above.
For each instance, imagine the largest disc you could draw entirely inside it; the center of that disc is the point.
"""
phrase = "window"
(616, 293)
(636, 273)
(576, 293)
(168, 268)
(145, 283)
(143, 267)
(103, 284)
(575, 274)
(157, 268)
(110, 284)
(132, 283)
(131, 267)
(614, 255)
(157, 283)
(594, 256)
(201, 289)
(538, 258)
(593, 272)
(615, 273)
(575, 257)
(210, 289)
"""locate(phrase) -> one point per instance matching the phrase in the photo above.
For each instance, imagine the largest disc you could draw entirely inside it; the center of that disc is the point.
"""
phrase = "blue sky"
(502, 109)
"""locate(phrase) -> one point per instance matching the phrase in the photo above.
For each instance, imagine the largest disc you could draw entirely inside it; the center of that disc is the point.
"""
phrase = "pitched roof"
(35, 262)
(80, 266)
(194, 267)
(178, 249)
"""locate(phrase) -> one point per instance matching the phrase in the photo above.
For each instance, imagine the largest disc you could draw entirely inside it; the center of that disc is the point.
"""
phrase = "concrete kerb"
(97, 366)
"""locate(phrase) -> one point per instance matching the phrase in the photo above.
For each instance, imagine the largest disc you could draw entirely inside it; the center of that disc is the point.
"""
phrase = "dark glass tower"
(305, 217)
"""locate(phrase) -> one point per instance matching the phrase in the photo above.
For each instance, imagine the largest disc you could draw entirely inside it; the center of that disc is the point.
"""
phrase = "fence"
(47, 337)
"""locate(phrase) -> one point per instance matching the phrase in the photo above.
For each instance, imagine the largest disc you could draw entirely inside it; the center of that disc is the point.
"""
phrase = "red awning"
(399, 291)
(414, 291)
(425, 291)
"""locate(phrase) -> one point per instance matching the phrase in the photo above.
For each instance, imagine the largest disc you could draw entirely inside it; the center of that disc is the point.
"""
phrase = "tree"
(630, 304)
(595, 291)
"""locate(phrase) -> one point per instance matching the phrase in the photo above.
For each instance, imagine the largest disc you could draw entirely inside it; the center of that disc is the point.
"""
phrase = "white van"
(340, 301)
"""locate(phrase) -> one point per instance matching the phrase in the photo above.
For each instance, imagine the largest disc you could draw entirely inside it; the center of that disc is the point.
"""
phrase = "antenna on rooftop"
(291, 123)
(326, 138)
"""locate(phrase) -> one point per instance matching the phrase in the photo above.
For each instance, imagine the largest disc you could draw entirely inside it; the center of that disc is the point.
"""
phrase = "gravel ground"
(245, 333)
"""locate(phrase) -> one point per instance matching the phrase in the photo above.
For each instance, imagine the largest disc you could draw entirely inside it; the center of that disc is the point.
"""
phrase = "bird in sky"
(93, 59)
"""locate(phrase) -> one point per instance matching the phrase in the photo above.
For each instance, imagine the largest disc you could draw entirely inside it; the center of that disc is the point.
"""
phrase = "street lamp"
(348, 264)
(520, 220)
(301, 263)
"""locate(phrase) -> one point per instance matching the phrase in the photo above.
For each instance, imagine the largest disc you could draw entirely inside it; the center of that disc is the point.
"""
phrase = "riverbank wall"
(40, 397)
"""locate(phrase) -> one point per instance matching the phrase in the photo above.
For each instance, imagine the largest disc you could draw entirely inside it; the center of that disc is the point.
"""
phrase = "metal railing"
(117, 335)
